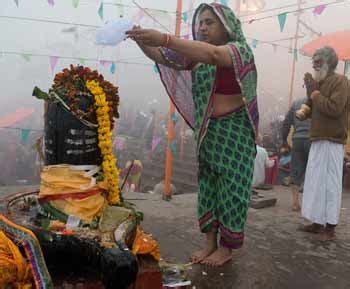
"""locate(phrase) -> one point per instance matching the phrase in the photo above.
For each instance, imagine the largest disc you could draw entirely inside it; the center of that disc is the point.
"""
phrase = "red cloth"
(271, 173)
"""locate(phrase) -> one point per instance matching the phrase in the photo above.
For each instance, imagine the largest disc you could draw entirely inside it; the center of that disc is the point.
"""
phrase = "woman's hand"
(149, 37)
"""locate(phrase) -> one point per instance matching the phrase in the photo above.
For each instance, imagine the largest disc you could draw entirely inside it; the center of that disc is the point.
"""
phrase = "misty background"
(139, 86)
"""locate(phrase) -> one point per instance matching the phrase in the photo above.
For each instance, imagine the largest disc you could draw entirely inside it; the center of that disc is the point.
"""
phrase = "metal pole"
(291, 90)
(169, 156)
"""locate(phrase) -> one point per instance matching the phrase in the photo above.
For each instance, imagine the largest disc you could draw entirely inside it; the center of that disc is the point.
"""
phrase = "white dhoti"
(323, 183)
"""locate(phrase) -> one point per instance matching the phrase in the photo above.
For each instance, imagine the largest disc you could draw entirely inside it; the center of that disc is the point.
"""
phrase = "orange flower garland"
(109, 167)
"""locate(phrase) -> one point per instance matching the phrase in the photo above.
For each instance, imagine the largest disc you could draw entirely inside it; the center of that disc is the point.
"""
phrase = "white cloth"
(261, 161)
(323, 183)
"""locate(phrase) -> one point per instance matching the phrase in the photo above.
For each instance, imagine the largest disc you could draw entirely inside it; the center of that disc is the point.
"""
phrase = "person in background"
(284, 166)
(328, 96)
(300, 148)
(261, 162)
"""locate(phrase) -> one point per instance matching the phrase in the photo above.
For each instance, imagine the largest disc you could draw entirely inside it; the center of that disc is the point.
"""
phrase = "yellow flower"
(109, 167)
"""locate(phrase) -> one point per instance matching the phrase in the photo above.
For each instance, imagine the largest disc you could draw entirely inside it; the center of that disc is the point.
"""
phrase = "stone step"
(187, 174)
(149, 180)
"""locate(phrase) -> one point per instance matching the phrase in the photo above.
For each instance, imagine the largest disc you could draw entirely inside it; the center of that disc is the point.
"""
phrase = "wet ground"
(275, 254)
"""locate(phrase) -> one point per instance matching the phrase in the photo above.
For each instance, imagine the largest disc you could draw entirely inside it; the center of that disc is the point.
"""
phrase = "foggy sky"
(138, 84)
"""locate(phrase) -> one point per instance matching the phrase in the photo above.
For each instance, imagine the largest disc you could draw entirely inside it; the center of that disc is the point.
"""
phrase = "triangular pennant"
(296, 54)
(100, 11)
(75, 3)
(51, 2)
(174, 118)
(24, 135)
(185, 16)
(319, 9)
(155, 69)
(282, 20)
(26, 57)
(172, 147)
(155, 142)
(113, 68)
(53, 62)
(223, 2)
(82, 61)
(16, 1)
(105, 62)
(254, 43)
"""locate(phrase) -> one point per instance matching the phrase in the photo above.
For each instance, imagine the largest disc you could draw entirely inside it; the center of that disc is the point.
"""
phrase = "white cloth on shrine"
(323, 183)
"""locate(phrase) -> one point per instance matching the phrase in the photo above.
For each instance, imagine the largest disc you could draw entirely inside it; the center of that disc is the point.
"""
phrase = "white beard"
(321, 74)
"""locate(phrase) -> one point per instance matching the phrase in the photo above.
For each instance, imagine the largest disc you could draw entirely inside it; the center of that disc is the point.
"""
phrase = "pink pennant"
(51, 2)
(53, 62)
(155, 142)
(319, 9)
(105, 63)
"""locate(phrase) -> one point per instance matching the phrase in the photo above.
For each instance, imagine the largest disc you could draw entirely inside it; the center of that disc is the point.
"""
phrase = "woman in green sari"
(212, 81)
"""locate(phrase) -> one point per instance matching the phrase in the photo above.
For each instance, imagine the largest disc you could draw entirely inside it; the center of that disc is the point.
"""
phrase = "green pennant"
(26, 57)
(82, 61)
(75, 3)
(100, 11)
(282, 20)
(24, 135)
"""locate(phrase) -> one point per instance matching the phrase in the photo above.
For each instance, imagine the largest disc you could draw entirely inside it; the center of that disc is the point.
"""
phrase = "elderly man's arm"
(334, 105)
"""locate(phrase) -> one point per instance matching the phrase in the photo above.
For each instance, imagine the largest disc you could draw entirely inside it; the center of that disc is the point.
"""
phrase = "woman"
(212, 81)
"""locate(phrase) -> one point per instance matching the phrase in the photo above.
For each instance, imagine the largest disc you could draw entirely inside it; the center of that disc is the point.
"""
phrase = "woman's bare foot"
(211, 246)
(199, 256)
(218, 258)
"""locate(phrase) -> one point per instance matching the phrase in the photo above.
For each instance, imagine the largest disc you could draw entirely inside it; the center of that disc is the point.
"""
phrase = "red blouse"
(226, 82)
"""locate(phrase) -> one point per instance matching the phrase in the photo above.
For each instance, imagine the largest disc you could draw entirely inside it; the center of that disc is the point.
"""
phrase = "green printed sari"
(225, 146)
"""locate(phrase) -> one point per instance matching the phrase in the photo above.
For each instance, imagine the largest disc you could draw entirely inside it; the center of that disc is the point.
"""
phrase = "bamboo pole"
(169, 156)
(296, 38)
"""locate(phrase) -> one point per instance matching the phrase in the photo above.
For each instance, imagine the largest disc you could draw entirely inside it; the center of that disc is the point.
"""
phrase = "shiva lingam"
(83, 225)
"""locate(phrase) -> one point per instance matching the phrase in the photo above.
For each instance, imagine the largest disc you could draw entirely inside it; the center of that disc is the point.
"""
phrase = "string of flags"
(53, 60)
(24, 133)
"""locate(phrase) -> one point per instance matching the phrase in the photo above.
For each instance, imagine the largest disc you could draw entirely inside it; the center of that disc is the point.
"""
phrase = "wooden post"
(169, 156)
(296, 38)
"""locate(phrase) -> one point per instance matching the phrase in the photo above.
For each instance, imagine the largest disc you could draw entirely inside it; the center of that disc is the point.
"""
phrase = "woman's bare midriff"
(224, 104)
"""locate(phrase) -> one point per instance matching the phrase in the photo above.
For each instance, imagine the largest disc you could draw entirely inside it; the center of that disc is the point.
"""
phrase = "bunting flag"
(82, 61)
(185, 17)
(155, 142)
(155, 69)
(296, 54)
(75, 3)
(100, 11)
(223, 2)
(16, 1)
(113, 68)
(254, 43)
(319, 9)
(53, 62)
(172, 147)
(282, 20)
(26, 57)
(174, 118)
(24, 135)
(105, 63)
(51, 2)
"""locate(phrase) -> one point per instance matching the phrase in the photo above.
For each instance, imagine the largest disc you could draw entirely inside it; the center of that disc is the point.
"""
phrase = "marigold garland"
(109, 167)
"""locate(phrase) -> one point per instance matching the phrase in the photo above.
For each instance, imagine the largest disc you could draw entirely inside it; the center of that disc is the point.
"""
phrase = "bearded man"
(328, 94)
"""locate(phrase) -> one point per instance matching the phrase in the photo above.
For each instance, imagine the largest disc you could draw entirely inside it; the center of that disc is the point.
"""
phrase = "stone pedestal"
(263, 200)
